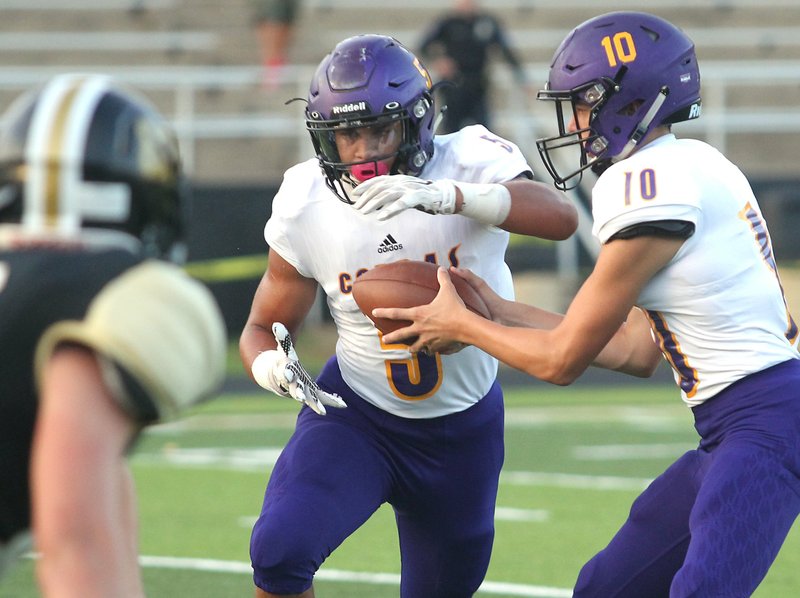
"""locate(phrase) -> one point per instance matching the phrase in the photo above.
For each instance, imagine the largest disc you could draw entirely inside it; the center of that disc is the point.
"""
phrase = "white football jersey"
(328, 240)
(717, 309)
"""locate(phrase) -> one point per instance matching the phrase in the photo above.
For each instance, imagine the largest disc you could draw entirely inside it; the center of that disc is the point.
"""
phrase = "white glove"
(280, 371)
(391, 194)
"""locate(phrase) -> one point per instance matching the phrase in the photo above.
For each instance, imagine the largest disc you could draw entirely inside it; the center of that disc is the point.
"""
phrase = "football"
(407, 283)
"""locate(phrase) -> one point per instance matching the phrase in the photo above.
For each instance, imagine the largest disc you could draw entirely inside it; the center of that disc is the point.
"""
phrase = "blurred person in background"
(100, 336)
(459, 48)
(423, 433)
(274, 22)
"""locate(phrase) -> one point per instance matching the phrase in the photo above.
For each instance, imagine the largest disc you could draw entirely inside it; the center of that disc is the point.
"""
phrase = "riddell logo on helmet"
(351, 107)
(694, 111)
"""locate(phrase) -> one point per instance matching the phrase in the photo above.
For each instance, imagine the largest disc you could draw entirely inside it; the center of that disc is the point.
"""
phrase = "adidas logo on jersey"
(389, 244)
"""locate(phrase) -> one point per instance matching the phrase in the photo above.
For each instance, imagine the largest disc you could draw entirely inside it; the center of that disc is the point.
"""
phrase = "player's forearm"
(282, 296)
(84, 525)
(585, 339)
(94, 561)
(530, 350)
(81, 567)
(631, 350)
(539, 210)
(514, 313)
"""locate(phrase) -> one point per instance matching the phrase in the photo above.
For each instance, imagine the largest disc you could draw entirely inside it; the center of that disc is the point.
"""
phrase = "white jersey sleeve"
(329, 241)
(717, 309)
(476, 155)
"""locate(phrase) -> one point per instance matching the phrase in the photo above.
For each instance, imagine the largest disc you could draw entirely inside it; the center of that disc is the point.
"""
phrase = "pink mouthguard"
(362, 172)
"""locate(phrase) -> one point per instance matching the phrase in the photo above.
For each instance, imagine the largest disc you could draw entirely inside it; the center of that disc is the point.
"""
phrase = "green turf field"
(576, 458)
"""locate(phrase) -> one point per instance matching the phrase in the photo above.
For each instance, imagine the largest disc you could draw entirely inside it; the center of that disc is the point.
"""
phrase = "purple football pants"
(712, 524)
(440, 475)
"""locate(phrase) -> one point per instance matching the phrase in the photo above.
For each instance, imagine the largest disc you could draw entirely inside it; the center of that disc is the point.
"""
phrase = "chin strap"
(644, 125)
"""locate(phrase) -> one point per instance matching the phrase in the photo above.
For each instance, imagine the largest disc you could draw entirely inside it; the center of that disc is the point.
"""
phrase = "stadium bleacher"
(198, 60)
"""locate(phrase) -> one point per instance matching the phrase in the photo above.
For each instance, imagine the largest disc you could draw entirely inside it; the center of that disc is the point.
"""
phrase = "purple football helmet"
(635, 71)
(370, 80)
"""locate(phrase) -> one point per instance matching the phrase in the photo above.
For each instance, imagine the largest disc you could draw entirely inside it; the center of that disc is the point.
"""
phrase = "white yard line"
(513, 514)
(571, 480)
(626, 452)
(220, 566)
(500, 514)
(258, 459)
(643, 417)
(240, 459)
(230, 421)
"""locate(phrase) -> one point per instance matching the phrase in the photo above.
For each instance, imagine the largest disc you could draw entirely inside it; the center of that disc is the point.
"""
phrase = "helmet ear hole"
(654, 35)
(631, 108)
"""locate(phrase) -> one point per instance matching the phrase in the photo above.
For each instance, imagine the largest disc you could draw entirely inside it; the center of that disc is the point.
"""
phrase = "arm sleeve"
(677, 229)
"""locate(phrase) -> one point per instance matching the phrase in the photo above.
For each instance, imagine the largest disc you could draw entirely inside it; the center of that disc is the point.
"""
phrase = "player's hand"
(437, 326)
(280, 371)
(389, 195)
(493, 301)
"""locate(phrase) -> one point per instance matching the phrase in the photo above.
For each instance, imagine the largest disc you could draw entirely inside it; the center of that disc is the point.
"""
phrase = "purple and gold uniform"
(389, 376)
(713, 522)
(422, 432)
(718, 313)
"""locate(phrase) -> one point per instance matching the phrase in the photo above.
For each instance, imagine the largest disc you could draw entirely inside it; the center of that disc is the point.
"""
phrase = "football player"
(683, 240)
(99, 335)
(421, 432)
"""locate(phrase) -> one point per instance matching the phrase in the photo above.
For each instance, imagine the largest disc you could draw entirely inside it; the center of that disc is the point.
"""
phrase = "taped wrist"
(488, 203)
(264, 369)
(446, 196)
